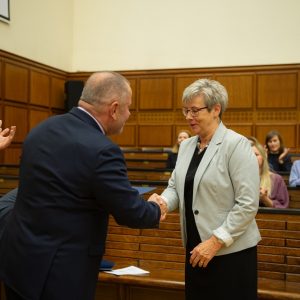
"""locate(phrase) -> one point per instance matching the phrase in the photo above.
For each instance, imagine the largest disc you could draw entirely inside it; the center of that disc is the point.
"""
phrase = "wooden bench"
(161, 252)
(9, 170)
(7, 183)
(150, 159)
(294, 193)
(169, 285)
(149, 174)
(295, 156)
(146, 163)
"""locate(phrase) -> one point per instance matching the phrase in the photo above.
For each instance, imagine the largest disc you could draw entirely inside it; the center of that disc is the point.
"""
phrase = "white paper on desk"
(132, 270)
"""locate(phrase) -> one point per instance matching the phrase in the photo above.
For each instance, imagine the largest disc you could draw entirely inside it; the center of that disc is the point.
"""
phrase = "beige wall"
(153, 34)
(40, 30)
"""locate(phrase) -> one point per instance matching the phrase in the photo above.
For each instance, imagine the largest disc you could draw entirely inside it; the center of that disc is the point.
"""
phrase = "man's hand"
(6, 136)
(203, 253)
(162, 204)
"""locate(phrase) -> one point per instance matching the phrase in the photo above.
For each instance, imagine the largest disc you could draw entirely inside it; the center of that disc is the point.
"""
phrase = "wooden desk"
(163, 284)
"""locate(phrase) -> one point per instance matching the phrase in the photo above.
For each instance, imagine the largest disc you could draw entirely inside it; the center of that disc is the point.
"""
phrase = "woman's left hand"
(205, 251)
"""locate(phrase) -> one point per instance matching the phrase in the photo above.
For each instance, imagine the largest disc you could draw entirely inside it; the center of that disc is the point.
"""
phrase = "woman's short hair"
(212, 91)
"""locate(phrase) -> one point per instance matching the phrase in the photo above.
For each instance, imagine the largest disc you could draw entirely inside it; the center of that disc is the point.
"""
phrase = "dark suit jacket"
(71, 178)
(171, 161)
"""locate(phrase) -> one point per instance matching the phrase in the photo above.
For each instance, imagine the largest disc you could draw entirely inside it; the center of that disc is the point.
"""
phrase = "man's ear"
(113, 109)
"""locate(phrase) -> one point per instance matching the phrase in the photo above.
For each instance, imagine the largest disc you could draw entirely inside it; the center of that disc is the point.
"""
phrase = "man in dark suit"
(72, 176)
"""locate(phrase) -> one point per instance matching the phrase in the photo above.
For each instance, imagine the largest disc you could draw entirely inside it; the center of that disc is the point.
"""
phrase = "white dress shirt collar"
(100, 126)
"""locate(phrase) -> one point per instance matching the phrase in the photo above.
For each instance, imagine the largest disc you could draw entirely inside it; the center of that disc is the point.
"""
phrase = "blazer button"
(196, 212)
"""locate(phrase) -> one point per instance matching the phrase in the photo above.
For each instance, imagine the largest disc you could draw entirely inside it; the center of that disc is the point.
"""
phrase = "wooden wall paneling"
(127, 138)
(12, 154)
(109, 291)
(39, 88)
(238, 117)
(155, 93)
(57, 92)
(133, 86)
(260, 98)
(16, 80)
(14, 115)
(275, 116)
(245, 130)
(240, 88)
(155, 117)
(37, 116)
(288, 133)
(181, 82)
(155, 135)
(1, 81)
(147, 293)
(277, 90)
(298, 137)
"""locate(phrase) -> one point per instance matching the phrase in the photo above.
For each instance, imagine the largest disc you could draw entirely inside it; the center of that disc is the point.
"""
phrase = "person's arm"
(244, 176)
(162, 204)
(295, 174)
(283, 155)
(286, 163)
(279, 194)
(264, 198)
(6, 136)
(115, 195)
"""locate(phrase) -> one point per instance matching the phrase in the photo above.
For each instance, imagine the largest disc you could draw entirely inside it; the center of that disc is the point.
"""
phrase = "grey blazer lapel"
(208, 155)
(188, 148)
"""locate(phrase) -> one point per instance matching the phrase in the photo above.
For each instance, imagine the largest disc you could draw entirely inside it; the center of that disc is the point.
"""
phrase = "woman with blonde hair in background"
(172, 156)
(273, 190)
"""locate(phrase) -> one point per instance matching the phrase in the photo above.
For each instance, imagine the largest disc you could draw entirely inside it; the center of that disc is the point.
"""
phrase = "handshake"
(162, 204)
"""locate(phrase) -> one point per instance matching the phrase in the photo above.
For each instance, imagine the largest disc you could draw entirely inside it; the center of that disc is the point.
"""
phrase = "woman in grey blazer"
(215, 185)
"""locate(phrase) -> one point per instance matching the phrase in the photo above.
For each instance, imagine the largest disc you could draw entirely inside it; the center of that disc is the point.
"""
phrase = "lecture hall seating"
(161, 252)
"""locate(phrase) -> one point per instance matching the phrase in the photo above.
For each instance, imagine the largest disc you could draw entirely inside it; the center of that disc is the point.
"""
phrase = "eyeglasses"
(194, 111)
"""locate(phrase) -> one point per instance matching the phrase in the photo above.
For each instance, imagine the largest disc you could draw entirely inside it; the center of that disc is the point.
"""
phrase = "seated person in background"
(294, 179)
(273, 190)
(172, 157)
(278, 157)
(7, 203)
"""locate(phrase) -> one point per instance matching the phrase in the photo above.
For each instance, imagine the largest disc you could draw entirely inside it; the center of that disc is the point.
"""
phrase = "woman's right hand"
(283, 155)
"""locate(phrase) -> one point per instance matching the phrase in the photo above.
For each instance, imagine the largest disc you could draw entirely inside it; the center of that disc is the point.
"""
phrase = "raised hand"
(283, 154)
(6, 136)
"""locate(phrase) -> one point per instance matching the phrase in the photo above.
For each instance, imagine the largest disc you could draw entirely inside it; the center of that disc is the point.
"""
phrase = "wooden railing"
(161, 252)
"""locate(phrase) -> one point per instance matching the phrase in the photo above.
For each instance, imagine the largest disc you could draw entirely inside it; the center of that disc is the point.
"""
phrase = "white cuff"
(224, 236)
(164, 198)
